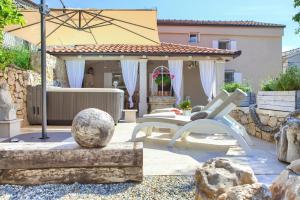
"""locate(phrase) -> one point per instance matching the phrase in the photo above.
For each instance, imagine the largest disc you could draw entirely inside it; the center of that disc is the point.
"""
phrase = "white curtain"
(75, 71)
(129, 72)
(175, 68)
(207, 71)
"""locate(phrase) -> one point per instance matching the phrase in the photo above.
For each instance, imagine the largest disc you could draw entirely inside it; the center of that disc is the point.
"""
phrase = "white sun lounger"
(217, 121)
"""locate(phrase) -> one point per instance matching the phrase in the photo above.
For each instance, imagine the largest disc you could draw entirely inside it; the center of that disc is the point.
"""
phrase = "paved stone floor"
(159, 160)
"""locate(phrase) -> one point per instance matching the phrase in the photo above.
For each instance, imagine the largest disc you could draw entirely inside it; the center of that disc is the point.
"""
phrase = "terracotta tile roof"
(164, 49)
(216, 23)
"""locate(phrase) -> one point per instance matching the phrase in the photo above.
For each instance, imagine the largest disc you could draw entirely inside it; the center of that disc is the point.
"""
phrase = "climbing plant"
(296, 17)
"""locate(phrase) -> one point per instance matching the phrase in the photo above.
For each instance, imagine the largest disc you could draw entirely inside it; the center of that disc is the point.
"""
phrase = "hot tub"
(64, 103)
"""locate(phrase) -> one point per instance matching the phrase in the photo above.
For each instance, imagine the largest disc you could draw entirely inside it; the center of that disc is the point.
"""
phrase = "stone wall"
(18, 80)
(267, 117)
(56, 70)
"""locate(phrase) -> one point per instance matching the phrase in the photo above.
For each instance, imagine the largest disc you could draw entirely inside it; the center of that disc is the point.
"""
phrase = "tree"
(9, 15)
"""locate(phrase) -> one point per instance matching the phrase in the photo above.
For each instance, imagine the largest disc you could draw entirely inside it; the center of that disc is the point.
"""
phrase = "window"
(224, 44)
(229, 76)
(193, 38)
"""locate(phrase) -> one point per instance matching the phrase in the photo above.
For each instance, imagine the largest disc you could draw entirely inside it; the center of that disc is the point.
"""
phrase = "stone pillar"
(143, 106)
(220, 73)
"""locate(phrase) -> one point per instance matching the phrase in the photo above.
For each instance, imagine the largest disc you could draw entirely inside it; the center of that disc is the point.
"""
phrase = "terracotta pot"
(159, 93)
(166, 93)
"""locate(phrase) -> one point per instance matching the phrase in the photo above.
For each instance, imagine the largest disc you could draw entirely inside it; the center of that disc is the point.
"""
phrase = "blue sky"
(275, 11)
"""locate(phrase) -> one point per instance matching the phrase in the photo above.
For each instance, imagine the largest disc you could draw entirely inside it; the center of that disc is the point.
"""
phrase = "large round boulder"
(93, 128)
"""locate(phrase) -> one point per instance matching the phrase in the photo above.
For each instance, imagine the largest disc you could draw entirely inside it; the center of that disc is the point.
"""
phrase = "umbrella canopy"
(90, 26)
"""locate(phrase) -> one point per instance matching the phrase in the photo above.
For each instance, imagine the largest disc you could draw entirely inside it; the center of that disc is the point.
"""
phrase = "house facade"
(260, 43)
(291, 58)
(252, 53)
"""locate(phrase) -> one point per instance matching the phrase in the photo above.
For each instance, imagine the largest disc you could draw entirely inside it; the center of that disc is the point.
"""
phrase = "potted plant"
(163, 82)
(281, 93)
(186, 107)
(250, 99)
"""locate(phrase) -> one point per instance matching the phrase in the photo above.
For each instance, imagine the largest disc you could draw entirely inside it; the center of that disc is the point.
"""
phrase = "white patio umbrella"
(81, 27)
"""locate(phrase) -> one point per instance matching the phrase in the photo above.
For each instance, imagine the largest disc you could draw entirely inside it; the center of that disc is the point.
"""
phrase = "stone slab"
(10, 128)
(71, 175)
(41, 155)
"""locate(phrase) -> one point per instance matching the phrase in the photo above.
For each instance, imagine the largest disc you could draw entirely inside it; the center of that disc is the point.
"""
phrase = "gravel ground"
(153, 187)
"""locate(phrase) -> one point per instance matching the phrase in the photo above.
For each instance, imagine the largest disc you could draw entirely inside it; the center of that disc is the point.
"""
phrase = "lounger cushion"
(162, 114)
(199, 115)
(179, 120)
(197, 108)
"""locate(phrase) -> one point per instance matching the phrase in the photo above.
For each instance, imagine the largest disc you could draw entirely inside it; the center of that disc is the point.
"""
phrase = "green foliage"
(231, 87)
(290, 80)
(20, 57)
(163, 79)
(9, 15)
(185, 105)
(296, 17)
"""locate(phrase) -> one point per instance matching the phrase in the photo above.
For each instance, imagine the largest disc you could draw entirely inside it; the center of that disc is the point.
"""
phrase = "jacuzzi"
(64, 103)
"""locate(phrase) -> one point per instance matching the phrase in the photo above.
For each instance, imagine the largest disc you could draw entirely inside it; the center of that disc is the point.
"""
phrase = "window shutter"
(233, 45)
(237, 77)
(215, 44)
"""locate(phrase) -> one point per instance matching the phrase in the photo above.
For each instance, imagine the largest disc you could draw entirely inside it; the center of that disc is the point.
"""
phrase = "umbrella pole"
(43, 11)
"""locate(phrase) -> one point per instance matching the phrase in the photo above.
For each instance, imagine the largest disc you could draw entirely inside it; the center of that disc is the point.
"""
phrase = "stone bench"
(67, 162)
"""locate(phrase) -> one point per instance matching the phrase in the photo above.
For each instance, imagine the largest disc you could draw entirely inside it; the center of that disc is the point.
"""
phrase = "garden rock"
(295, 166)
(7, 108)
(93, 128)
(286, 186)
(288, 141)
(216, 176)
(256, 191)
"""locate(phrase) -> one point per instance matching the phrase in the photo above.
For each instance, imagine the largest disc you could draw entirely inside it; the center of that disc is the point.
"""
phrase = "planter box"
(287, 101)
(250, 99)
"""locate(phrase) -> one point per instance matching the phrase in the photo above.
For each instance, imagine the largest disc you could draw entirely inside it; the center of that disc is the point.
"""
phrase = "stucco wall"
(261, 47)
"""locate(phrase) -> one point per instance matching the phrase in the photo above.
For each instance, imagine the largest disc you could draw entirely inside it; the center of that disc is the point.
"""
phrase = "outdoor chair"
(214, 118)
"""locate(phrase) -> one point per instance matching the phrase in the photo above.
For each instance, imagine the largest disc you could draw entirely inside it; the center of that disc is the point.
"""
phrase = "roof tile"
(216, 23)
(157, 50)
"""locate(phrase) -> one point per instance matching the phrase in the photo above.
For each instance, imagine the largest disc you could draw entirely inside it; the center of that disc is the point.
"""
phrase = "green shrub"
(231, 87)
(290, 80)
(165, 79)
(18, 56)
(185, 105)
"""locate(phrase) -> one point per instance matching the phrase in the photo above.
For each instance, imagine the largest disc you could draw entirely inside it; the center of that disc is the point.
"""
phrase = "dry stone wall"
(56, 70)
(267, 117)
(18, 80)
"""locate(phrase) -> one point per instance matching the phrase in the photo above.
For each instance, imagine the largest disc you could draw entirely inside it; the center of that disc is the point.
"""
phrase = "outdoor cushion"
(199, 115)
(162, 114)
(179, 120)
(175, 110)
